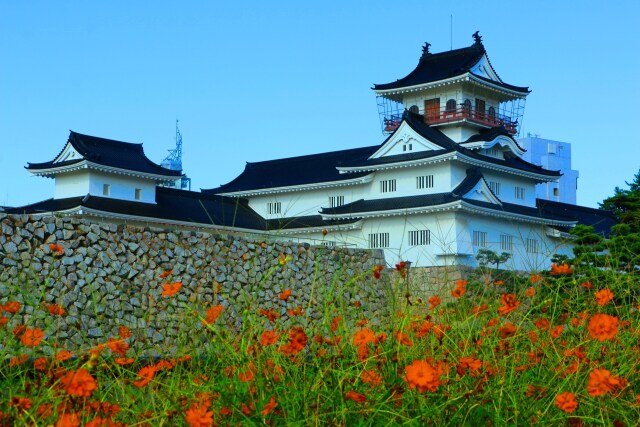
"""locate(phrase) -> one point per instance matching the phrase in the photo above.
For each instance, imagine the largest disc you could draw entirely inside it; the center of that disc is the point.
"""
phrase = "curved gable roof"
(108, 152)
(440, 66)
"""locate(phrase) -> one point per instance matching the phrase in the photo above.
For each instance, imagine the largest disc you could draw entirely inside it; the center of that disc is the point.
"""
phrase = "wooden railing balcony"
(486, 118)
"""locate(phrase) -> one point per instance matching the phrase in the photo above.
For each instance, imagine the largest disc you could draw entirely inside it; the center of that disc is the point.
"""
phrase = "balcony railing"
(490, 118)
(461, 113)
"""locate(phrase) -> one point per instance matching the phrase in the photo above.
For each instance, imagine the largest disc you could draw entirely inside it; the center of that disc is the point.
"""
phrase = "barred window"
(274, 208)
(425, 181)
(532, 246)
(335, 201)
(495, 187)
(506, 242)
(388, 185)
(480, 239)
(329, 243)
(419, 237)
(378, 240)
(520, 193)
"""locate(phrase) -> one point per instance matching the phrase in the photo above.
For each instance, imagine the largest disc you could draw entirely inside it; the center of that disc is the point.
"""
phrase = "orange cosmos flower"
(146, 374)
(509, 304)
(556, 331)
(268, 337)
(603, 327)
(403, 339)
(15, 361)
(535, 278)
(603, 296)
(56, 248)
(63, 355)
(566, 402)
(79, 383)
(559, 270)
(601, 382)
(371, 377)
(40, 363)
(541, 323)
(32, 337)
(248, 375)
(295, 312)
(587, 285)
(69, 420)
(165, 274)
(212, 314)
(335, 322)
(355, 396)
(498, 282)
(377, 269)
(476, 311)
(421, 375)
(297, 342)
(284, 295)
(508, 330)
(198, 416)
(169, 289)
(434, 301)
(123, 361)
(269, 407)
(363, 336)
(117, 346)
(402, 268)
(124, 332)
(55, 310)
(271, 315)
(11, 307)
(529, 292)
(3, 321)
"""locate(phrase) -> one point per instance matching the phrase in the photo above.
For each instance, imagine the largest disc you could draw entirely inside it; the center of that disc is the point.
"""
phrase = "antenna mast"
(174, 162)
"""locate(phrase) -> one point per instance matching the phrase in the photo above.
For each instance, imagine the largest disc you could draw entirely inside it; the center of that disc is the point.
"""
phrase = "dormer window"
(106, 190)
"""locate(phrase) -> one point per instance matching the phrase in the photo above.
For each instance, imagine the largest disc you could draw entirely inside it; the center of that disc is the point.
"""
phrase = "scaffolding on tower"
(174, 162)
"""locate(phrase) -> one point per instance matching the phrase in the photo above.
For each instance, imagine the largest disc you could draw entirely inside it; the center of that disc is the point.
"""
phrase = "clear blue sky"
(254, 81)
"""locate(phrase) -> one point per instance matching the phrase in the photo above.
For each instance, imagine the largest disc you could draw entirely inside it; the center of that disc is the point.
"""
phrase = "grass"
(535, 350)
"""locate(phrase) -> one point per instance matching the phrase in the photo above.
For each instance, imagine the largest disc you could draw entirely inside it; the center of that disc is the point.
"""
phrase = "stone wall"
(106, 275)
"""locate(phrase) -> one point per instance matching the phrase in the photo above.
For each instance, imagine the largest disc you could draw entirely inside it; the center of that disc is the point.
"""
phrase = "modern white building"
(553, 155)
(447, 181)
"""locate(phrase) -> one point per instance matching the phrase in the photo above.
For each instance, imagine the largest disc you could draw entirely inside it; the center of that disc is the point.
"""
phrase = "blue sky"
(252, 81)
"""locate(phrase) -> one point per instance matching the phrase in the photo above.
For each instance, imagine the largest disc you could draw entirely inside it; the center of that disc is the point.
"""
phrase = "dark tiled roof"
(171, 205)
(489, 134)
(416, 122)
(107, 152)
(439, 66)
(407, 202)
(601, 220)
(311, 169)
(305, 222)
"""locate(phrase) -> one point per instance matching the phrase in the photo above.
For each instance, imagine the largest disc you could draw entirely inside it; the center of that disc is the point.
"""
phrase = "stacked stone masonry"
(109, 275)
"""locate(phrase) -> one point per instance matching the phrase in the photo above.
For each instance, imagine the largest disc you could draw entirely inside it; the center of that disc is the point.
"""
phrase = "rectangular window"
(519, 193)
(388, 186)
(274, 208)
(138, 193)
(506, 242)
(329, 243)
(378, 240)
(495, 187)
(425, 181)
(532, 246)
(480, 239)
(335, 201)
(419, 237)
(556, 191)
(106, 189)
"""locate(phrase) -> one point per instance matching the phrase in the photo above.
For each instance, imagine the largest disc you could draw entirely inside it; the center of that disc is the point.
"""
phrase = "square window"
(480, 239)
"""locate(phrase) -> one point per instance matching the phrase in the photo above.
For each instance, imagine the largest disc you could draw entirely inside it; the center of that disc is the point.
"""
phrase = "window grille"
(335, 201)
(388, 186)
(378, 240)
(480, 239)
(520, 193)
(274, 208)
(425, 181)
(419, 237)
(495, 187)
(532, 246)
(506, 242)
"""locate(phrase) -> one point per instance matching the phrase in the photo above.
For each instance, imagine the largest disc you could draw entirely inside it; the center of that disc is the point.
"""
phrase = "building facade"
(448, 180)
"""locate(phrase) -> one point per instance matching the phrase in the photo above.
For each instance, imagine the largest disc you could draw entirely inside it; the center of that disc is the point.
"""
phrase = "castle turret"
(458, 91)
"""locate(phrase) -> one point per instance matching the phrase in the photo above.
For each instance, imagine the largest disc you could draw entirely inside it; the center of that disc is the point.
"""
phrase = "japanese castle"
(448, 180)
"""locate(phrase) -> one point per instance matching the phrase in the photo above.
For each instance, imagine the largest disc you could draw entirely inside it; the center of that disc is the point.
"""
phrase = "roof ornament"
(425, 50)
(477, 37)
